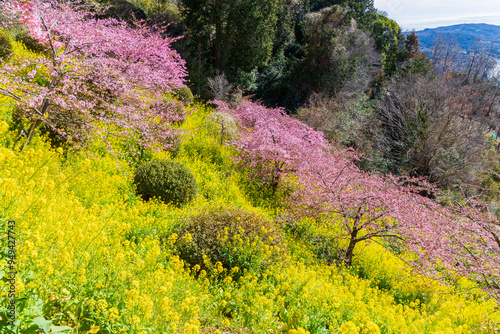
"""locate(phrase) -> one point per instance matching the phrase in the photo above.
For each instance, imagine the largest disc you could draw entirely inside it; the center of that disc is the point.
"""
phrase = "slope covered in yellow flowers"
(92, 257)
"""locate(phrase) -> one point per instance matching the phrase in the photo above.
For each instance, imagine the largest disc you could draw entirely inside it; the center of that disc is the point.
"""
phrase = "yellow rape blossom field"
(90, 258)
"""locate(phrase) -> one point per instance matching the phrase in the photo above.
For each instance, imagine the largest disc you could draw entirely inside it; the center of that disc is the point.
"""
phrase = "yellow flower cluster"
(75, 227)
(87, 244)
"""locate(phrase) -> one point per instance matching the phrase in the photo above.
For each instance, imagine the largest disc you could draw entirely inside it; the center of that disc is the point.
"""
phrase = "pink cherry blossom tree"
(327, 182)
(457, 240)
(271, 143)
(361, 205)
(446, 241)
(103, 71)
(464, 241)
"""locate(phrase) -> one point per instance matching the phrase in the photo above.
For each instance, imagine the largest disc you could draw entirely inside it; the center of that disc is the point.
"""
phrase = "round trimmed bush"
(185, 94)
(231, 236)
(170, 181)
(5, 46)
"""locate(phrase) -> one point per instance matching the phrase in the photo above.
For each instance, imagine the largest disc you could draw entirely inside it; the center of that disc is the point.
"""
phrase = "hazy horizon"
(418, 15)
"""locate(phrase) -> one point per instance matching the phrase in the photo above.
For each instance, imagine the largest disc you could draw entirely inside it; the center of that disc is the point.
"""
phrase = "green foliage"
(327, 63)
(276, 80)
(336, 55)
(5, 46)
(390, 42)
(170, 181)
(185, 95)
(165, 11)
(221, 39)
(124, 10)
(418, 65)
(362, 10)
(234, 237)
(386, 32)
(30, 43)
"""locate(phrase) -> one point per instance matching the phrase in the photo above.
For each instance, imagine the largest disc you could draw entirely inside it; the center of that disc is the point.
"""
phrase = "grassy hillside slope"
(92, 257)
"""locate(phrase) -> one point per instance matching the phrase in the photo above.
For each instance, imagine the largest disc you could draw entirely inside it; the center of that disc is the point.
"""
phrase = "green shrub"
(30, 43)
(185, 95)
(231, 236)
(170, 181)
(5, 46)
(123, 11)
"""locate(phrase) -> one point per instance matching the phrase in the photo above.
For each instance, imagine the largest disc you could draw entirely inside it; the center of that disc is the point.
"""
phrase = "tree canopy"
(100, 74)
(226, 36)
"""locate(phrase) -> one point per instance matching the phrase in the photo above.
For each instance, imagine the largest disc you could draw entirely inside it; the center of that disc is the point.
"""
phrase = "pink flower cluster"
(327, 184)
(109, 72)
(272, 144)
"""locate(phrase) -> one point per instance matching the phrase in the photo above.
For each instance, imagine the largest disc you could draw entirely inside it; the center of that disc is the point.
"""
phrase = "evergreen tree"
(227, 36)
(390, 42)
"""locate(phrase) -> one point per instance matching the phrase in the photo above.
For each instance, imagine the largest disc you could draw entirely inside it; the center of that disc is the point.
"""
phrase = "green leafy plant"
(184, 94)
(235, 238)
(170, 181)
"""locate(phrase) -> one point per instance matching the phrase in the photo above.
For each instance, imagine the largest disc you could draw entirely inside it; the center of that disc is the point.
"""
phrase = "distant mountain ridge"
(466, 35)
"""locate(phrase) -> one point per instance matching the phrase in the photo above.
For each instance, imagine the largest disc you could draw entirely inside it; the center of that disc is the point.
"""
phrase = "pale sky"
(421, 14)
